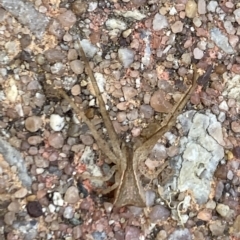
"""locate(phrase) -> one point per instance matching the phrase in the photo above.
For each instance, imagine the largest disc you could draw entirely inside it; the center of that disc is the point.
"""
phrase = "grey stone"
(221, 40)
(13, 157)
(26, 14)
(201, 153)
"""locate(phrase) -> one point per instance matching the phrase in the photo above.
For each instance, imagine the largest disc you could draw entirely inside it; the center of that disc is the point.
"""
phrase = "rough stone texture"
(159, 213)
(126, 56)
(180, 234)
(221, 40)
(232, 88)
(159, 103)
(71, 195)
(27, 15)
(13, 157)
(201, 153)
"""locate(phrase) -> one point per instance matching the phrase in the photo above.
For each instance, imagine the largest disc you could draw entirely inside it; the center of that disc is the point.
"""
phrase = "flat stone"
(67, 19)
(71, 195)
(202, 7)
(56, 140)
(21, 193)
(177, 27)
(205, 215)
(9, 217)
(222, 209)
(217, 228)
(159, 213)
(77, 66)
(129, 92)
(34, 209)
(159, 103)
(159, 22)
(14, 206)
(235, 125)
(33, 123)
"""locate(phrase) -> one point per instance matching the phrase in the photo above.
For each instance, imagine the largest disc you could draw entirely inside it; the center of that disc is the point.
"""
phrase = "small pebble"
(57, 199)
(159, 22)
(71, 195)
(21, 193)
(236, 152)
(77, 66)
(211, 204)
(147, 111)
(223, 106)
(158, 213)
(126, 56)
(159, 103)
(33, 123)
(54, 55)
(68, 212)
(236, 226)
(34, 209)
(222, 117)
(129, 92)
(57, 122)
(9, 217)
(87, 140)
(76, 90)
(202, 6)
(217, 228)
(222, 209)
(177, 27)
(14, 207)
(132, 232)
(113, 23)
(219, 190)
(198, 53)
(212, 5)
(191, 9)
(67, 19)
(230, 175)
(34, 140)
(79, 7)
(56, 140)
(235, 125)
(237, 15)
(121, 116)
(205, 215)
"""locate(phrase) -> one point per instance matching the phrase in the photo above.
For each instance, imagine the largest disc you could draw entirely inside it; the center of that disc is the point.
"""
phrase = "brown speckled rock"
(21, 193)
(14, 206)
(67, 19)
(9, 217)
(54, 55)
(205, 215)
(34, 140)
(235, 125)
(236, 152)
(129, 92)
(159, 103)
(77, 66)
(87, 139)
(33, 123)
(79, 7)
(56, 140)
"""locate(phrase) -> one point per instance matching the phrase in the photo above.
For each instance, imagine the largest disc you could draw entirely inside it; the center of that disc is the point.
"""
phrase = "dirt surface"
(142, 54)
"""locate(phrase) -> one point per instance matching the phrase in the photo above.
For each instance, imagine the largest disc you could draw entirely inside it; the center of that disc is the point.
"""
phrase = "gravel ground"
(141, 52)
